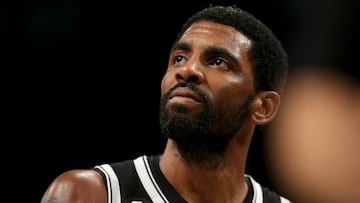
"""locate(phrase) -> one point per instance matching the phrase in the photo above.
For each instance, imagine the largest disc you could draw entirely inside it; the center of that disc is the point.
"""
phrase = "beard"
(202, 139)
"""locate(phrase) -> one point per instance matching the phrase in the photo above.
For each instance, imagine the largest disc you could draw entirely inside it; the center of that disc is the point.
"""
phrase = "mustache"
(191, 86)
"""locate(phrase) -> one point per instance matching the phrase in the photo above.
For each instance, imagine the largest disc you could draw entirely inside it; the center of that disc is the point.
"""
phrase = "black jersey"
(141, 181)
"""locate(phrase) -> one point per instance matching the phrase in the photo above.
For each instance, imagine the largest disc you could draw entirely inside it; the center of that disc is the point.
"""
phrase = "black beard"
(202, 138)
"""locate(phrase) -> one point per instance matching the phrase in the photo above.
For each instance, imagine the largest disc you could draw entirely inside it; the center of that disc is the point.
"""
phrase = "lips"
(185, 92)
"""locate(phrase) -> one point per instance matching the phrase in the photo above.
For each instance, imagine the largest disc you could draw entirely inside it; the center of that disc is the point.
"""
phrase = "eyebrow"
(211, 50)
(181, 46)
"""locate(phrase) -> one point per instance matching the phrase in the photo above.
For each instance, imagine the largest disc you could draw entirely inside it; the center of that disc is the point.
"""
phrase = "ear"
(264, 107)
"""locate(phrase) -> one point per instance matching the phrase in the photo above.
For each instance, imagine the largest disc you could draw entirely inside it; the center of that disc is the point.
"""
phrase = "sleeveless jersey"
(141, 181)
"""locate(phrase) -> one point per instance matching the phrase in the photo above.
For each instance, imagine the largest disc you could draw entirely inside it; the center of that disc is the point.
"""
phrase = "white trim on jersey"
(147, 179)
(113, 186)
(258, 194)
(284, 200)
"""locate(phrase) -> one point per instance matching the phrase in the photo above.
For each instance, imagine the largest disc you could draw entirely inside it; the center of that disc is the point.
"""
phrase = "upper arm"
(78, 186)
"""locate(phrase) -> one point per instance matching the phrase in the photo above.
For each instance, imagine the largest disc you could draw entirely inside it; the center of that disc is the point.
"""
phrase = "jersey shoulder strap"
(111, 181)
(264, 195)
(131, 181)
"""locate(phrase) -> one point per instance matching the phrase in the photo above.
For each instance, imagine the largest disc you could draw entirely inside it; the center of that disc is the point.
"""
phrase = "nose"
(191, 72)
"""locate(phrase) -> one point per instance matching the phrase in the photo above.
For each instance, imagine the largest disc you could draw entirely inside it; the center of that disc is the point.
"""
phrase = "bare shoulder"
(76, 185)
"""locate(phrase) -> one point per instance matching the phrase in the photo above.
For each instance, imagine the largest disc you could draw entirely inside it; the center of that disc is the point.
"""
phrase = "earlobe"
(265, 107)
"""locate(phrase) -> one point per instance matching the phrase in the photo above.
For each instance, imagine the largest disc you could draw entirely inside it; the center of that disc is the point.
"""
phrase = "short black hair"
(267, 54)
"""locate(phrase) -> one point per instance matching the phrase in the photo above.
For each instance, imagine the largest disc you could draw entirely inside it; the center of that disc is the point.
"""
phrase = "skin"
(227, 79)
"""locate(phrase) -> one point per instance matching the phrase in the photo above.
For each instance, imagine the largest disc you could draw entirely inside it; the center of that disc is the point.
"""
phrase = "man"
(225, 73)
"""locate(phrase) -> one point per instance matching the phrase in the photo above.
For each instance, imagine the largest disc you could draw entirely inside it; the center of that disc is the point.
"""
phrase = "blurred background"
(84, 83)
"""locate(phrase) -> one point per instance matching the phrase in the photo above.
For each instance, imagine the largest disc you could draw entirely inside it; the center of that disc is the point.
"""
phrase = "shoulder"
(76, 185)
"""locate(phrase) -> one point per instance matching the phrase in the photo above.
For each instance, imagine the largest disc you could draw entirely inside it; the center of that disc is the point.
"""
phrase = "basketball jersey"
(141, 181)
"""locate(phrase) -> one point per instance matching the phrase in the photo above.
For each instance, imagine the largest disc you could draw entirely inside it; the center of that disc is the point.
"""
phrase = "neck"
(222, 181)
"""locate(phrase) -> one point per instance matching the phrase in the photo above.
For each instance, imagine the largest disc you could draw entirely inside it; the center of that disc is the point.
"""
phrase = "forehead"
(206, 32)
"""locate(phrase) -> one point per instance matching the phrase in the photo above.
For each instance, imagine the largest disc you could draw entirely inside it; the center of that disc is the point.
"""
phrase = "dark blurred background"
(85, 76)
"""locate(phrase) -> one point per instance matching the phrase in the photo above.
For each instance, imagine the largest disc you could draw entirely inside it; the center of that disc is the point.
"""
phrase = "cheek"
(228, 96)
(233, 91)
(166, 83)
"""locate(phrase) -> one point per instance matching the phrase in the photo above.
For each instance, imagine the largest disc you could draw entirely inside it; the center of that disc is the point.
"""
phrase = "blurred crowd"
(312, 149)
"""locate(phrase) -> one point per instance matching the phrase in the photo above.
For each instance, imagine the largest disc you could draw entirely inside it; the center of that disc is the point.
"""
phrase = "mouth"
(185, 93)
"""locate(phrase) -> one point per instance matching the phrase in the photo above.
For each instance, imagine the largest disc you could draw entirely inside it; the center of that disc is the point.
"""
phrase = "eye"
(217, 62)
(179, 59)
(220, 63)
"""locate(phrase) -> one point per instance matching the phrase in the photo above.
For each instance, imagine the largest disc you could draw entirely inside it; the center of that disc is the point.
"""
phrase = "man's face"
(207, 89)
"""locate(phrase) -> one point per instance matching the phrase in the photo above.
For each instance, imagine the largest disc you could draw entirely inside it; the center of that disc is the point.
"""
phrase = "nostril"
(193, 78)
(179, 77)
(190, 74)
(187, 78)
